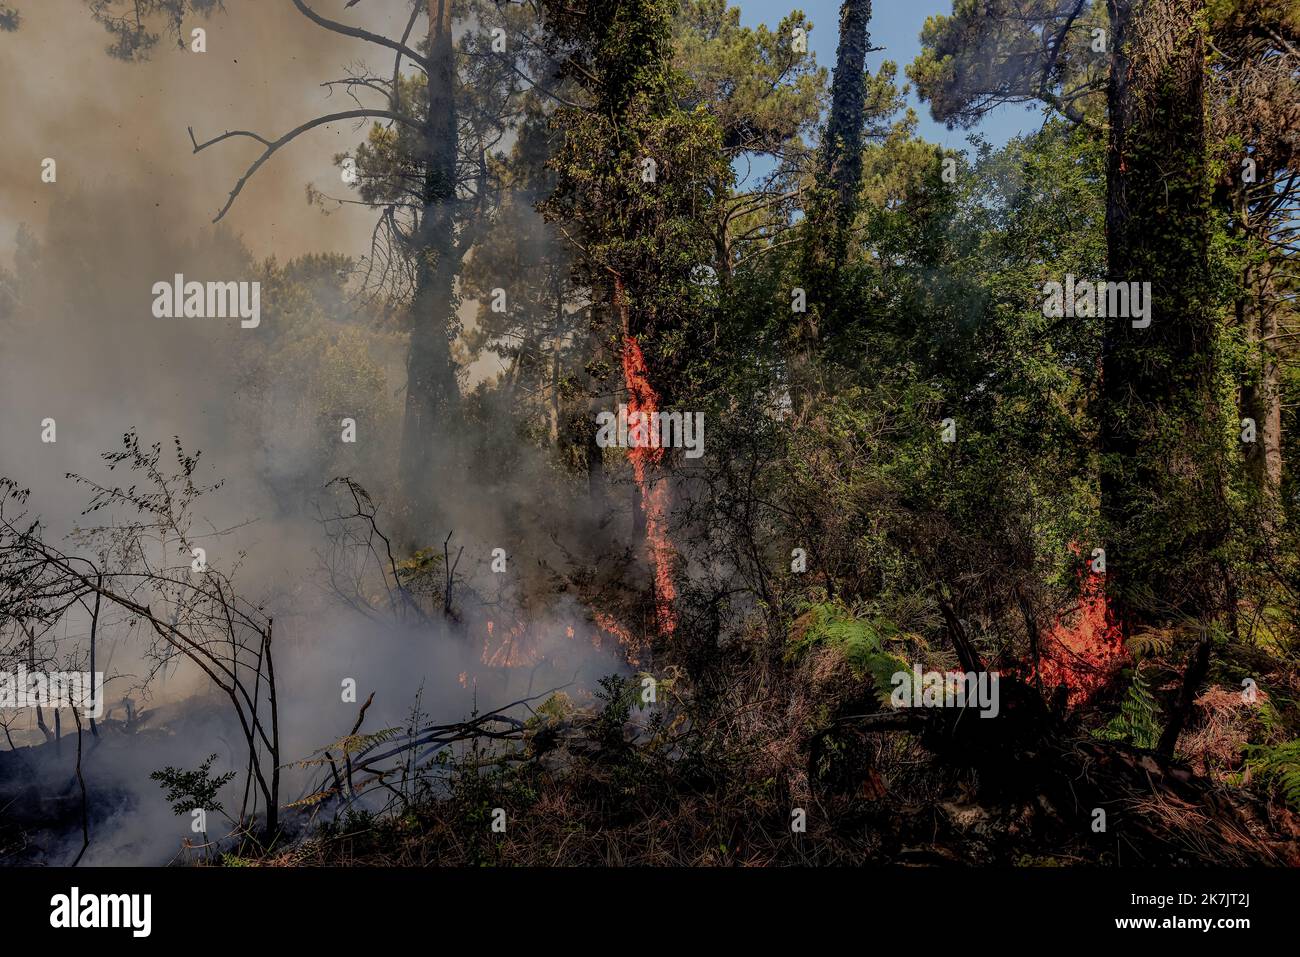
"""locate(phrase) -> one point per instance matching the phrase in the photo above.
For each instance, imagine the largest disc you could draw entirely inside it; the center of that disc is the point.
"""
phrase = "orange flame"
(518, 648)
(610, 625)
(513, 651)
(654, 490)
(1083, 656)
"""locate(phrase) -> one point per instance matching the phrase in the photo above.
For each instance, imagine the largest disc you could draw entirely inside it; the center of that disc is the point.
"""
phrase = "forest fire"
(978, 578)
(511, 651)
(642, 398)
(520, 647)
(1081, 656)
(630, 646)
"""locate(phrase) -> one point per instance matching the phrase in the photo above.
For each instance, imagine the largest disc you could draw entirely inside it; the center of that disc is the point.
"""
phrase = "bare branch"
(273, 145)
(360, 34)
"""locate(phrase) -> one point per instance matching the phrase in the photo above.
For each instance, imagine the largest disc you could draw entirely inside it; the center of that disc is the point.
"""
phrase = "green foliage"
(555, 708)
(618, 694)
(641, 242)
(193, 790)
(137, 25)
(861, 640)
(1137, 721)
(350, 744)
(1151, 643)
(992, 52)
(1278, 765)
(764, 92)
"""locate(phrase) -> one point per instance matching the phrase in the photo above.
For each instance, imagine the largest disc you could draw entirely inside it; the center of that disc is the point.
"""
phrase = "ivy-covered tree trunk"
(431, 388)
(1162, 443)
(834, 202)
(840, 158)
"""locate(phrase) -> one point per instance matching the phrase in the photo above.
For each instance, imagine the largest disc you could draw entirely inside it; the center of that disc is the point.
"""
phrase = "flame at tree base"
(645, 460)
(516, 648)
(1083, 656)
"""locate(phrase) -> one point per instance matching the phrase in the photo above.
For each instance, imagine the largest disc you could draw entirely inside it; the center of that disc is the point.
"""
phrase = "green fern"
(1136, 721)
(350, 744)
(1278, 764)
(860, 639)
(1151, 643)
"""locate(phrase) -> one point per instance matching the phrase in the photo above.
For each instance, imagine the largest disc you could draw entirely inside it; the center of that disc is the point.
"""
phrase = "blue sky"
(895, 25)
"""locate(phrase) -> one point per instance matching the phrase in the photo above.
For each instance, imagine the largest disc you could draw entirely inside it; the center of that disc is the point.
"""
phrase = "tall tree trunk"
(553, 406)
(597, 402)
(1161, 475)
(31, 668)
(431, 390)
(1270, 425)
(840, 158)
(557, 352)
(1261, 397)
(834, 203)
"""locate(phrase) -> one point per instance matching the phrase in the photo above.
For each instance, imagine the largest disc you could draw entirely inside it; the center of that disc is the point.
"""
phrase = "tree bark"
(1161, 455)
(432, 393)
(1198, 666)
(841, 149)
(834, 203)
(597, 402)
(1261, 396)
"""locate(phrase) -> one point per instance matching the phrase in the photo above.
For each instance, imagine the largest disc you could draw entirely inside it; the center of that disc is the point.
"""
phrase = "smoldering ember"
(355, 503)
